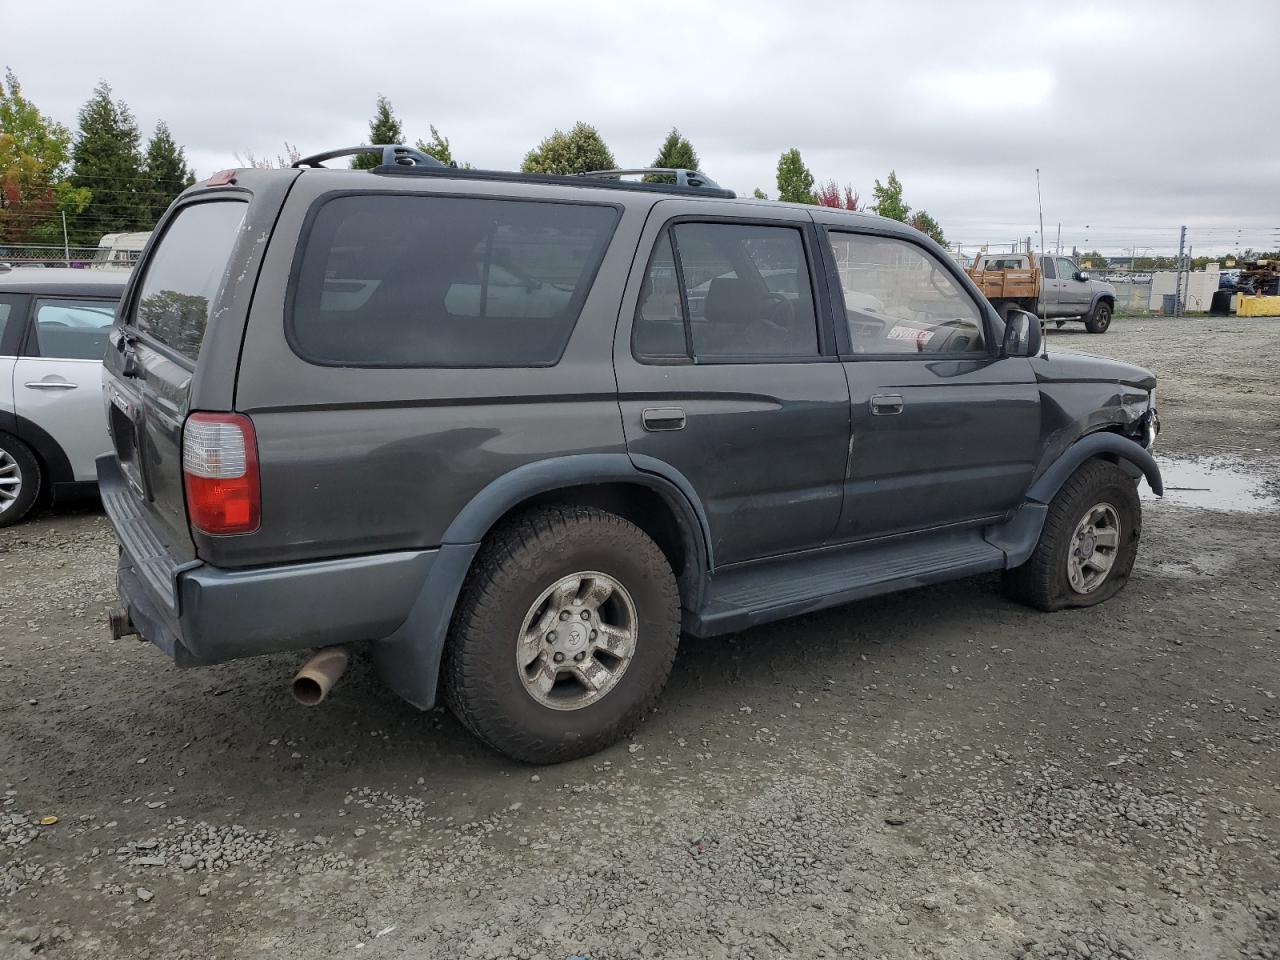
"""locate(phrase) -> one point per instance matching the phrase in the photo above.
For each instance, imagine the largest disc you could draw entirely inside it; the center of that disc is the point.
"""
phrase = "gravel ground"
(934, 774)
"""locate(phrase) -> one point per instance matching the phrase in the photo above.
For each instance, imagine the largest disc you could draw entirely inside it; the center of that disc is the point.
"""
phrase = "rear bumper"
(198, 614)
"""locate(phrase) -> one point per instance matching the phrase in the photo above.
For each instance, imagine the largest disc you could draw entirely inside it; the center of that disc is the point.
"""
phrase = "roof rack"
(683, 177)
(393, 154)
(588, 181)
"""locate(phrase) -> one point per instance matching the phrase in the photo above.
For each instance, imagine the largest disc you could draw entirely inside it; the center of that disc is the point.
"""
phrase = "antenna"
(1040, 203)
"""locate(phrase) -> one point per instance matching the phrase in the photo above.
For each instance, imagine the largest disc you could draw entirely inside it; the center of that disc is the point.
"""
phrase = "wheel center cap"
(576, 636)
(1088, 544)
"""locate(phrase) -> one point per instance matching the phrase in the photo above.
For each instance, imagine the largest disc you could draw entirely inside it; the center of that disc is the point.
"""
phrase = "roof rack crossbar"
(393, 154)
(683, 176)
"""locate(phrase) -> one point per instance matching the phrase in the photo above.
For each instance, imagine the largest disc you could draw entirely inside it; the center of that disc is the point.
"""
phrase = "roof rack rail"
(683, 176)
(393, 154)
(587, 181)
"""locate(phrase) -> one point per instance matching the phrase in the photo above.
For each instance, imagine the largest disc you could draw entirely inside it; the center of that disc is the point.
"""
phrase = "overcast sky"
(1140, 117)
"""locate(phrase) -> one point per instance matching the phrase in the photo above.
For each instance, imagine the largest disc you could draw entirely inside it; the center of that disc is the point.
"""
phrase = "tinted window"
(899, 299)
(73, 329)
(659, 329)
(746, 290)
(403, 281)
(1048, 270)
(5, 309)
(185, 273)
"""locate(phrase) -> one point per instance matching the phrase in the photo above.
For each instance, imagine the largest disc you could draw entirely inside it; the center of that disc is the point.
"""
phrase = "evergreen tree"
(926, 224)
(106, 160)
(676, 153)
(795, 180)
(438, 147)
(581, 150)
(34, 154)
(384, 128)
(888, 199)
(166, 170)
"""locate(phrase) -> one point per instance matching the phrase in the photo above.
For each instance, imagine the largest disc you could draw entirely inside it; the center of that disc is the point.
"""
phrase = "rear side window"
(73, 329)
(185, 272)
(742, 292)
(424, 281)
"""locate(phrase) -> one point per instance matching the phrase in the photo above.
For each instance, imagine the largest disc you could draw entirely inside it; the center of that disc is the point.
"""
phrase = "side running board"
(748, 594)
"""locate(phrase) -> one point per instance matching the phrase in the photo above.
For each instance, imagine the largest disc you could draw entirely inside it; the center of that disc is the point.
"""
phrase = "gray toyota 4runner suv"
(513, 434)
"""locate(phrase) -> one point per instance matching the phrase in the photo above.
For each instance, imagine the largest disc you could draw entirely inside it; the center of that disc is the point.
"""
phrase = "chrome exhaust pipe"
(318, 675)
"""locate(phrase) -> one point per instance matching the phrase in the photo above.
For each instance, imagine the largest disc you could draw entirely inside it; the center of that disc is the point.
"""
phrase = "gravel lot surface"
(934, 774)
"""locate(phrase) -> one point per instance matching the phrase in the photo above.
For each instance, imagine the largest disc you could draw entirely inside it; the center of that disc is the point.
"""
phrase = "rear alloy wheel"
(577, 640)
(564, 635)
(19, 480)
(1088, 544)
(1100, 318)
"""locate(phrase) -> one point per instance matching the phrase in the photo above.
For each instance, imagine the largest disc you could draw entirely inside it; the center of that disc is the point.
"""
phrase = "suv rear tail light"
(220, 473)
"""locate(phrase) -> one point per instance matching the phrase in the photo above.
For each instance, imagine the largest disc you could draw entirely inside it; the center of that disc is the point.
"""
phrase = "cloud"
(1140, 116)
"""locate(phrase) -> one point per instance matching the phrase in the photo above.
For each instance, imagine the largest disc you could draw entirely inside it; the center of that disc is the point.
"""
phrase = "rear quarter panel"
(361, 460)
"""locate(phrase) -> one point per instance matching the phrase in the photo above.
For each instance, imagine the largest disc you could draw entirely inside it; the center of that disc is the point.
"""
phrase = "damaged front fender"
(1110, 445)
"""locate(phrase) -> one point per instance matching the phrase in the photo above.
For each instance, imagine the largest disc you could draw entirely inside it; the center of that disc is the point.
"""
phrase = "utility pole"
(1177, 280)
(1040, 204)
(66, 247)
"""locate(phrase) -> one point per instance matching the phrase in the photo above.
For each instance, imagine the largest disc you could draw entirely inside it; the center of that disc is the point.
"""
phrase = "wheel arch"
(55, 465)
(1018, 536)
(648, 492)
(1105, 445)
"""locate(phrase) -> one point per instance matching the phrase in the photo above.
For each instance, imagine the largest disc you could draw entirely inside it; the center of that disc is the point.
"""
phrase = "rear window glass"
(400, 281)
(185, 272)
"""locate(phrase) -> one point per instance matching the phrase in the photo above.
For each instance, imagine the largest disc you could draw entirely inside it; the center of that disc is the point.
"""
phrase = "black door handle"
(663, 418)
(886, 405)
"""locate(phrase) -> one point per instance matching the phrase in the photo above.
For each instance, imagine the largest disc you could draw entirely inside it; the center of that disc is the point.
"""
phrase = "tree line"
(582, 149)
(101, 177)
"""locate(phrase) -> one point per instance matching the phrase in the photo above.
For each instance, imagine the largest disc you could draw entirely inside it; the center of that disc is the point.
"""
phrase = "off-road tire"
(32, 480)
(517, 562)
(1100, 319)
(1042, 581)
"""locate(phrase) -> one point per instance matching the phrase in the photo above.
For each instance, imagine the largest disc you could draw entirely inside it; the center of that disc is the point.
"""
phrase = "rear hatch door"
(174, 347)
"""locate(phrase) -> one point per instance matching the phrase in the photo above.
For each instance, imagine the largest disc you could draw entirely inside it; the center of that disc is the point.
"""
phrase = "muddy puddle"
(1214, 483)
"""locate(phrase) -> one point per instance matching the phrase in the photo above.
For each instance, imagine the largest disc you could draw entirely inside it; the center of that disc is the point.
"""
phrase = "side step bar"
(749, 594)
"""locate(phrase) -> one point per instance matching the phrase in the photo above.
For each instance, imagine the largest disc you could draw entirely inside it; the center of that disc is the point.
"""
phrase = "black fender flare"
(1093, 302)
(408, 661)
(1018, 536)
(56, 463)
(1051, 480)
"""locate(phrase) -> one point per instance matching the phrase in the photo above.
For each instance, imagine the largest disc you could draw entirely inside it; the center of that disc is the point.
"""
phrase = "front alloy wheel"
(1087, 545)
(1094, 546)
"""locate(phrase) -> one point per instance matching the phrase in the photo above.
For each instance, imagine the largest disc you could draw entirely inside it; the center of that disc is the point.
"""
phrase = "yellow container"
(1250, 306)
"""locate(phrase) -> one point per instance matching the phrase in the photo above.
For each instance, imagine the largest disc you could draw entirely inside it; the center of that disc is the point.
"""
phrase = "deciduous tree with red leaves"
(830, 194)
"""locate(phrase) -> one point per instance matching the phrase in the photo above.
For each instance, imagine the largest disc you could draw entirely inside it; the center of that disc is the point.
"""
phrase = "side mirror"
(1022, 335)
(1082, 274)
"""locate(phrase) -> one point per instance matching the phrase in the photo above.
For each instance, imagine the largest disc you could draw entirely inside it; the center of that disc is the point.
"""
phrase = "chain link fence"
(39, 255)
